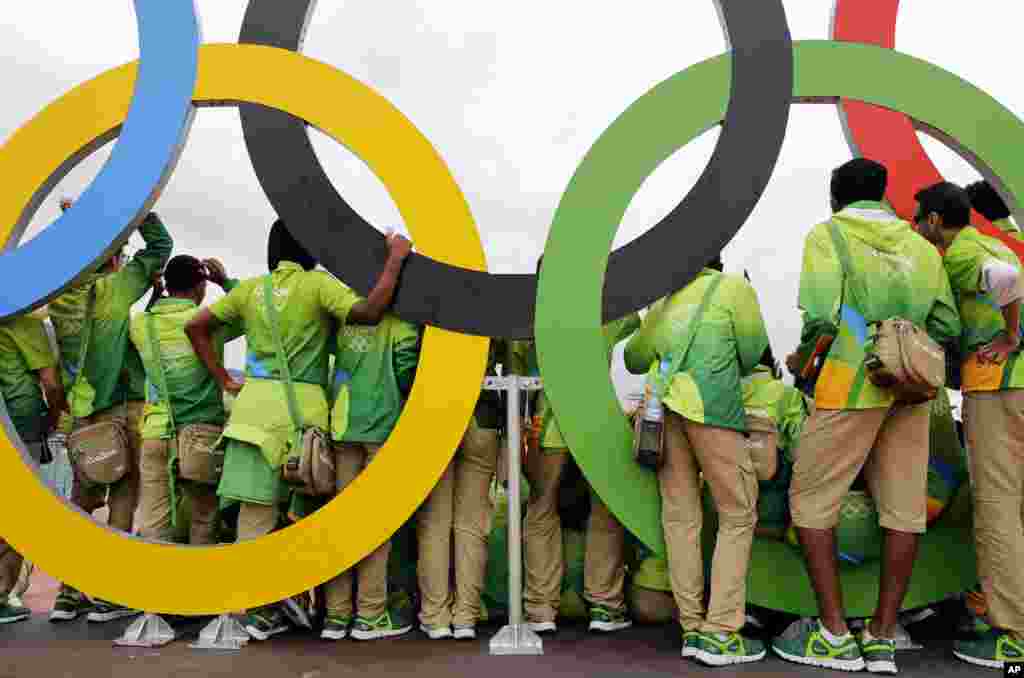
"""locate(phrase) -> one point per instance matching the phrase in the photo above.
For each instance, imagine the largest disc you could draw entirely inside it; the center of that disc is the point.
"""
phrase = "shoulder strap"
(282, 358)
(161, 373)
(83, 351)
(844, 263)
(691, 331)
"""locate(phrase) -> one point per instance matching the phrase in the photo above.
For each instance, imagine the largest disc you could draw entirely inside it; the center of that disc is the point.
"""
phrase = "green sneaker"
(991, 650)
(724, 649)
(335, 628)
(608, 620)
(384, 626)
(69, 605)
(266, 622)
(879, 653)
(803, 643)
(13, 613)
(691, 643)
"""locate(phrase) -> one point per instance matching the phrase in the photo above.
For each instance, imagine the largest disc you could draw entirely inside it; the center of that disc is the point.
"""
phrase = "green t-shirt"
(728, 344)
(113, 369)
(310, 305)
(982, 318)
(24, 349)
(376, 365)
(195, 396)
(901, 275)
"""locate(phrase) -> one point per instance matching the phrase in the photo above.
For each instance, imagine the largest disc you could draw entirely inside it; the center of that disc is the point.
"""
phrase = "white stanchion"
(149, 630)
(223, 633)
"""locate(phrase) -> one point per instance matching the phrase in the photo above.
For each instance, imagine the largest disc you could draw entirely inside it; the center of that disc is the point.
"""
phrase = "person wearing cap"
(195, 397)
(112, 387)
(704, 424)
(33, 396)
(311, 305)
(544, 564)
(986, 279)
(856, 424)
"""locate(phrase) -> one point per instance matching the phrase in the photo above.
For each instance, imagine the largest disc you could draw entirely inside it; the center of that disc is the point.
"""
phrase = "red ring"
(885, 135)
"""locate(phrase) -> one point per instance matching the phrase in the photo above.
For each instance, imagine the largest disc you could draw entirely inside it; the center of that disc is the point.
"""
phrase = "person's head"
(715, 264)
(856, 180)
(185, 277)
(282, 246)
(987, 201)
(942, 210)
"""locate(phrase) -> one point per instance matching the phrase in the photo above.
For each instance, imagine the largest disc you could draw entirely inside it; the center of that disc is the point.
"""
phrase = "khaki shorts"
(891, 445)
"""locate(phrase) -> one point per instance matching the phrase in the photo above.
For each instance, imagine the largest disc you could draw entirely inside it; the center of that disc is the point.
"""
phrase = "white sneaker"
(465, 633)
(542, 627)
(437, 632)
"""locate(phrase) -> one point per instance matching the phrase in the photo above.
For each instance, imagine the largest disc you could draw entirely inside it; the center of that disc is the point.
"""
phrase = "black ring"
(652, 266)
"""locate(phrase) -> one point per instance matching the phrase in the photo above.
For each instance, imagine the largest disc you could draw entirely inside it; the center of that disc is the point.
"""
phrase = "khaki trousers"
(155, 499)
(10, 560)
(371, 571)
(725, 460)
(652, 607)
(604, 561)
(459, 504)
(995, 435)
(890, 444)
(256, 520)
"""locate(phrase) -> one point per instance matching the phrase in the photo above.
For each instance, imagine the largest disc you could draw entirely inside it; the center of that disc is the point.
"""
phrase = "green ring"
(570, 345)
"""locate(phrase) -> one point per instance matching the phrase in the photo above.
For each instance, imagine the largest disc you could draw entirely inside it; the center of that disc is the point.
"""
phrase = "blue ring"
(151, 140)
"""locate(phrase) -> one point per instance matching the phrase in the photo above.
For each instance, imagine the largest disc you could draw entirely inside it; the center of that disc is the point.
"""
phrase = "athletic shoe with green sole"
(990, 650)
(385, 626)
(266, 622)
(13, 613)
(608, 620)
(691, 643)
(804, 643)
(69, 605)
(335, 628)
(725, 649)
(879, 653)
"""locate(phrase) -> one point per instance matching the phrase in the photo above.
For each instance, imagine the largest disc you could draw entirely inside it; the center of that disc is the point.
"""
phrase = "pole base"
(149, 630)
(223, 633)
(516, 639)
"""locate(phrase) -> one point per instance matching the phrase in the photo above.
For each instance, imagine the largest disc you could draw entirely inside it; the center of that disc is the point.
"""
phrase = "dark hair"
(858, 179)
(987, 201)
(947, 200)
(282, 246)
(183, 273)
(715, 264)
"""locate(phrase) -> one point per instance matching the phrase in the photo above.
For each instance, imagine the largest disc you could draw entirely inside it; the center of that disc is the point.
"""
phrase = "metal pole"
(516, 637)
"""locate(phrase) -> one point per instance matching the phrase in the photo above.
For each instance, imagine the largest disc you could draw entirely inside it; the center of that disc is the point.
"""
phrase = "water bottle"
(651, 425)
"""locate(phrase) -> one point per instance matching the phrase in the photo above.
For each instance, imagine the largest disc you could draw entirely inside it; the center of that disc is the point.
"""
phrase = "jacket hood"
(874, 225)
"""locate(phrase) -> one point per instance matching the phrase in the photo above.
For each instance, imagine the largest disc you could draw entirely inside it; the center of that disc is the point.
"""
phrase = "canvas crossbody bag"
(99, 452)
(193, 455)
(309, 466)
(900, 356)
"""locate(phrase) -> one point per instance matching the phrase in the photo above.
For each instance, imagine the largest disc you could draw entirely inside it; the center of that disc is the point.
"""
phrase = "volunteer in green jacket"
(704, 426)
(28, 372)
(459, 506)
(310, 304)
(373, 373)
(195, 398)
(113, 385)
(986, 279)
(604, 562)
(856, 424)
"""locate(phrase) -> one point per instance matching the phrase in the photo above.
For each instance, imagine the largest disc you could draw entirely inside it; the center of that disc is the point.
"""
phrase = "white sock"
(831, 637)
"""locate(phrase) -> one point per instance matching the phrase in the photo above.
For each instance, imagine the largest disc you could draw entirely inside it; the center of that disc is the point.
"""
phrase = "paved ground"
(38, 648)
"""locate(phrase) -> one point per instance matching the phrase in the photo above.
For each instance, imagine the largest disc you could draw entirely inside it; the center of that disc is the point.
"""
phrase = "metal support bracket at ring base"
(504, 383)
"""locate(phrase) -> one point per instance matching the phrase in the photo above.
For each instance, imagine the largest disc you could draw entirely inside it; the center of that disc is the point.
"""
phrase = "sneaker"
(297, 610)
(691, 643)
(608, 620)
(436, 632)
(68, 606)
(542, 626)
(879, 653)
(725, 649)
(13, 613)
(335, 628)
(104, 611)
(464, 633)
(991, 650)
(804, 643)
(264, 623)
(381, 627)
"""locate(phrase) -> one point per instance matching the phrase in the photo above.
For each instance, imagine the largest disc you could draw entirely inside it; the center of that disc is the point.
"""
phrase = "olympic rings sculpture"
(279, 92)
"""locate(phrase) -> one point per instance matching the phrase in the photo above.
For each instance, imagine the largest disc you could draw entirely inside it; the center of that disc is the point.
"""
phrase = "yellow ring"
(173, 579)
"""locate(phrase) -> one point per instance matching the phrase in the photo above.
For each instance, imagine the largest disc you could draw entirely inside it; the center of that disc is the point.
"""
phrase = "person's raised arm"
(137, 275)
(200, 331)
(370, 310)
